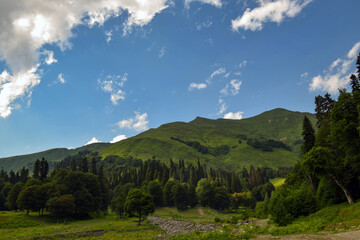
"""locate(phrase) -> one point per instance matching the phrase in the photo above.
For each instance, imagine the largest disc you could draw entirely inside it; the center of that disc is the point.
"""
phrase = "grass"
(19, 226)
(16, 225)
(336, 218)
(277, 182)
(278, 124)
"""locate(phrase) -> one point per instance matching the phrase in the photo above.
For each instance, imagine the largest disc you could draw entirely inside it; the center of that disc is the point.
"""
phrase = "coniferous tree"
(36, 171)
(44, 169)
(308, 134)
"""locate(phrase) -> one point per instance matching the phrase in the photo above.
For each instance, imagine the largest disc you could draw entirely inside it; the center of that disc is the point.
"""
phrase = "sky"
(78, 72)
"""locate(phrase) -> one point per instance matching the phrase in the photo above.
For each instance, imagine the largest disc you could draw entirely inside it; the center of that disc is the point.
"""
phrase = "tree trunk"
(311, 182)
(27, 212)
(347, 193)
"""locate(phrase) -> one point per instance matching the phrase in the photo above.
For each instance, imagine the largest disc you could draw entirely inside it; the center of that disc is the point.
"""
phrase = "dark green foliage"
(221, 200)
(156, 191)
(168, 193)
(13, 195)
(179, 192)
(139, 202)
(118, 204)
(196, 145)
(323, 108)
(308, 136)
(262, 208)
(267, 145)
(244, 199)
(262, 191)
(287, 204)
(62, 207)
(44, 169)
(36, 171)
(84, 165)
(93, 169)
(328, 193)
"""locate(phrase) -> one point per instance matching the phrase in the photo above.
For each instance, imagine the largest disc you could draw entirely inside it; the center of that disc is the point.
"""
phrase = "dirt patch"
(354, 235)
(201, 211)
(174, 227)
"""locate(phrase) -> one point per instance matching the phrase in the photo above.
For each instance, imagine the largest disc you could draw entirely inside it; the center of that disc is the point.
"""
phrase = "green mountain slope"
(17, 162)
(173, 140)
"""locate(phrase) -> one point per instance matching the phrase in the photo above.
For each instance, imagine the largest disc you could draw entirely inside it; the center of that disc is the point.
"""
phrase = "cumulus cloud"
(234, 115)
(29, 25)
(112, 84)
(61, 78)
(162, 52)
(93, 140)
(197, 86)
(118, 138)
(15, 86)
(137, 123)
(337, 75)
(50, 58)
(268, 11)
(216, 3)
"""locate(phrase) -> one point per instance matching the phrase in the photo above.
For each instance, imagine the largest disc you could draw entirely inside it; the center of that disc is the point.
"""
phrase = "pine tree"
(84, 165)
(44, 169)
(36, 171)
(308, 134)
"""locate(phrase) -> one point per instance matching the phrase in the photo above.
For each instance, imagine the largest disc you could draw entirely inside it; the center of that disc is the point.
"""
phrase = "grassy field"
(277, 182)
(19, 226)
(333, 219)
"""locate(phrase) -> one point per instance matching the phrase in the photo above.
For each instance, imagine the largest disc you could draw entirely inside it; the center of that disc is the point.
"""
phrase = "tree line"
(330, 167)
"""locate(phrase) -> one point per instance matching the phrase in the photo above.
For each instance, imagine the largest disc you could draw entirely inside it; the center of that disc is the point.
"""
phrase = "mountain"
(221, 143)
(17, 162)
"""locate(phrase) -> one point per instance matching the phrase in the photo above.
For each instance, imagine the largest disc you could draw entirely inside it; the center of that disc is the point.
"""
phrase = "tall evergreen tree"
(44, 168)
(308, 134)
(36, 170)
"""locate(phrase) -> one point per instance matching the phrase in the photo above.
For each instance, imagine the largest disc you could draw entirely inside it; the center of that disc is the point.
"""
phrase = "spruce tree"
(308, 134)
(93, 166)
(36, 171)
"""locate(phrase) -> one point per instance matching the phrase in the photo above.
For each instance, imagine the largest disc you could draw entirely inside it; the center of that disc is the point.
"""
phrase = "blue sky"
(72, 72)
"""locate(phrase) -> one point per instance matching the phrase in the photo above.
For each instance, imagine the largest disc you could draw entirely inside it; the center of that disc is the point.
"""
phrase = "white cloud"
(29, 25)
(218, 72)
(337, 75)
(222, 107)
(112, 85)
(108, 35)
(197, 86)
(118, 138)
(216, 3)
(162, 52)
(93, 140)
(304, 75)
(202, 25)
(50, 59)
(138, 123)
(61, 78)
(15, 86)
(235, 115)
(233, 87)
(243, 64)
(268, 11)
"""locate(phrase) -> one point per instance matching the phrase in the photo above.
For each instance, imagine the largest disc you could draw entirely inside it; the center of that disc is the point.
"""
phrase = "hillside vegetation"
(53, 155)
(221, 143)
